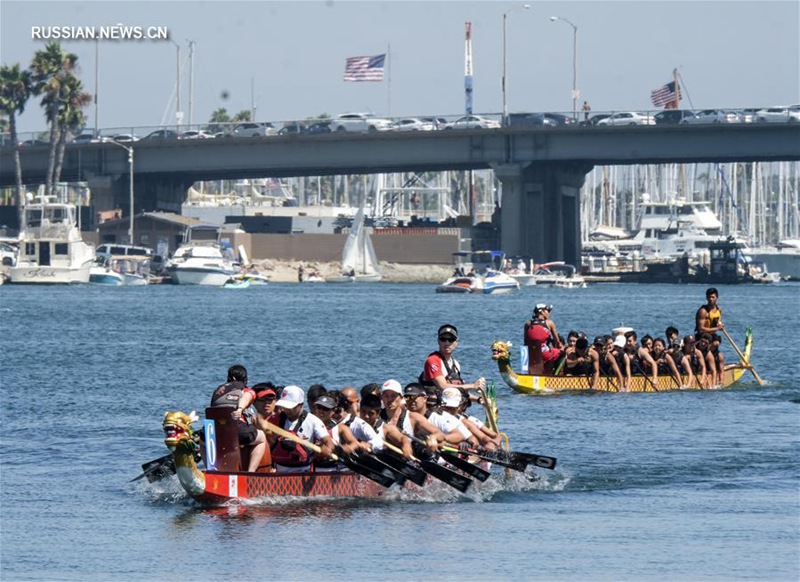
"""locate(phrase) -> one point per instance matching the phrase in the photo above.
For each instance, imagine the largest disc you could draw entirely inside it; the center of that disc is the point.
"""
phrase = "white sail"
(358, 255)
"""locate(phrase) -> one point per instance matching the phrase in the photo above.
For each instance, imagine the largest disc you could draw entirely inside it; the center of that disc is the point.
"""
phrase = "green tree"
(16, 86)
(52, 68)
(218, 117)
(71, 119)
(242, 116)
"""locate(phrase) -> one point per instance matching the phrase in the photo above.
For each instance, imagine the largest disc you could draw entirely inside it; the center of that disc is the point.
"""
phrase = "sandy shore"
(286, 271)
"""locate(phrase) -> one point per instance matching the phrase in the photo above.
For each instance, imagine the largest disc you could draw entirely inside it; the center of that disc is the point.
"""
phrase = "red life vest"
(287, 452)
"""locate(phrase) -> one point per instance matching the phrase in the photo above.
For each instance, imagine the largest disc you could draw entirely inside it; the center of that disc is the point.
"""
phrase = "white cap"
(291, 396)
(392, 386)
(619, 341)
(451, 397)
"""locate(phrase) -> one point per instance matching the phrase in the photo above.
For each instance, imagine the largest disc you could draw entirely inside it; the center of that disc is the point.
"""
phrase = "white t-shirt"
(361, 431)
(312, 428)
(447, 423)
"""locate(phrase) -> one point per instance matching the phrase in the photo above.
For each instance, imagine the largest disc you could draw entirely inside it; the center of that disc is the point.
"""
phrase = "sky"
(287, 58)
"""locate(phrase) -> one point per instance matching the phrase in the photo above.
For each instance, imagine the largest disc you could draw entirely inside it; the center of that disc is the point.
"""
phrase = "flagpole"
(677, 88)
(389, 78)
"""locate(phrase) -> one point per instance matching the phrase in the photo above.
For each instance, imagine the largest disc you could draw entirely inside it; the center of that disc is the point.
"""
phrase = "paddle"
(511, 459)
(452, 478)
(744, 360)
(414, 474)
(462, 464)
(384, 478)
(157, 469)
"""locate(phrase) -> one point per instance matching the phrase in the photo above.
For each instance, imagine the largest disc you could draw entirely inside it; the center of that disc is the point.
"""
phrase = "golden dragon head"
(500, 350)
(177, 427)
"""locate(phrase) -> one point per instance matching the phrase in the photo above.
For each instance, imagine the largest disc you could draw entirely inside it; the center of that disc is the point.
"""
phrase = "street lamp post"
(505, 58)
(178, 112)
(574, 64)
(128, 149)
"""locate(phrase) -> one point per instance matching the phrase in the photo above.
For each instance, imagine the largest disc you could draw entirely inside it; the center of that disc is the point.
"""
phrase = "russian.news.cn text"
(113, 32)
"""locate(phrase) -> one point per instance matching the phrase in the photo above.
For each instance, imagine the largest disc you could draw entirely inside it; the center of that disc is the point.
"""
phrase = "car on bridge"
(672, 116)
(473, 122)
(713, 116)
(779, 114)
(161, 134)
(361, 122)
(627, 118)
(196, 134)
(411, 124)
(253, 129)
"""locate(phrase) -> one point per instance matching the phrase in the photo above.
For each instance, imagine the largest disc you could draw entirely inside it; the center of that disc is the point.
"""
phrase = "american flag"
(365, 68)
(664, 95)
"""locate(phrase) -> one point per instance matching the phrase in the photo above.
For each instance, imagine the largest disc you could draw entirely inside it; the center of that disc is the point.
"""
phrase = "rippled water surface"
(667, 486)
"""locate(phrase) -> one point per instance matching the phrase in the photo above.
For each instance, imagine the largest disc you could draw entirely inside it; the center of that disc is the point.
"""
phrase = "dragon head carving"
(500, 350)
(177, 428)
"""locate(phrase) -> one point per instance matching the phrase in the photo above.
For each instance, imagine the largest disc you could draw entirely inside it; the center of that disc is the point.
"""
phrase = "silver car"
(714, 116)
(628, 118)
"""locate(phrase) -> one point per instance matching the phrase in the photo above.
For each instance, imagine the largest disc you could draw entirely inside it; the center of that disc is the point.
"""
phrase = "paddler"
(395, 413)
(287, 455)
(708, 318)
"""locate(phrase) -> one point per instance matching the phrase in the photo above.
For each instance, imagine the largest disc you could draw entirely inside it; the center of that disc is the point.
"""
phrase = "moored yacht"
(51, 249)
(200, 263)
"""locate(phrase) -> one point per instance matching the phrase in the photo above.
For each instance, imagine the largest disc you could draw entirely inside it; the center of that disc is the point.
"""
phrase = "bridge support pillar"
(540, 210)
(150, 193)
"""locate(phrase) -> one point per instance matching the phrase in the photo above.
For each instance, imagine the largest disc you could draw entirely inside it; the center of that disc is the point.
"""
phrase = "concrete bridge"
(541, 169)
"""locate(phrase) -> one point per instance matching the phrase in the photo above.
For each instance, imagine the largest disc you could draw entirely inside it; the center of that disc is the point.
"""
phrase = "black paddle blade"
(157, 469)
(379, 466)
(379, 478)
(531, 459)
(415, 475)
(464, 465)
(455, 480)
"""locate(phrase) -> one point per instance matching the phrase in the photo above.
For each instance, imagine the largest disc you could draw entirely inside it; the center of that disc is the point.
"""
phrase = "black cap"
(448, 328)
(413, 389)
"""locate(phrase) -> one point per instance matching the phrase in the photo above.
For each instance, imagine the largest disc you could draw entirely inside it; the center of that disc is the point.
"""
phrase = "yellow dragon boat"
(530, 384)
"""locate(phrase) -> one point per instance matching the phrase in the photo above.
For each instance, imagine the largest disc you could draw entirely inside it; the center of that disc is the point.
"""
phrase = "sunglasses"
(412, 398)
(448, 339)
(318, 407)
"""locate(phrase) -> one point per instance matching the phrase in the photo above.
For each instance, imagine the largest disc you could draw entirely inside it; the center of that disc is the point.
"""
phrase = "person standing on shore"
(300, 271)
(708, 318)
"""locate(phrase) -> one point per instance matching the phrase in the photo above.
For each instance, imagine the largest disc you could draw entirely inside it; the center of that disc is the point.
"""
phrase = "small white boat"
(51, 249)
(497, 282)
(461, 284)
(121, 265)
(359, 263)
(559, 274)
(236, 284)
(200, 263)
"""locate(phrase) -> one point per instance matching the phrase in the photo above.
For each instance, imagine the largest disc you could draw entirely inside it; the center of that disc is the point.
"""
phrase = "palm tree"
(243, 115)
(15, 90)
(218, 117)
(70, 117)
(52, 68)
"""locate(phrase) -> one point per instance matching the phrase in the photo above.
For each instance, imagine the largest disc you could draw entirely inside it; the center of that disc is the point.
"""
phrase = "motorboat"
(558, 274)
(200, 263)
(119, 264)
(783, 258)
(51, 249)
(497, 283)
(461, 284)
(127, 271)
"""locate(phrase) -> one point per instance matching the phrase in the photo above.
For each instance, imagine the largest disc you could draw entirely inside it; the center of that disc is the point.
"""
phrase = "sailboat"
(359, 263)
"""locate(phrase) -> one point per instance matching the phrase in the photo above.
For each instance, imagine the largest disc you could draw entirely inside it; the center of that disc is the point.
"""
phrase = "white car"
(360, 122)
(195, 134)
(473, 122)
(713, 116)
(780, 114)
(628, 118)
(251, 129)
(412, 124)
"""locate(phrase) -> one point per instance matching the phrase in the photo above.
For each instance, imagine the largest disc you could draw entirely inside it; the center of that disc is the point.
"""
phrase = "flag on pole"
(664, 95)
(365, 68)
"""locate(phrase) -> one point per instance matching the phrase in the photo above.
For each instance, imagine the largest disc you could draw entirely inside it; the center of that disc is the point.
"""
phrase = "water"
(667, 486)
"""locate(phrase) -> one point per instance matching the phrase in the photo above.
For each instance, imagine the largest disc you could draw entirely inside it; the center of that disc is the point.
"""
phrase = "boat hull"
(221, 487)
(528, 384)
(49, 275)
(199, 276)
